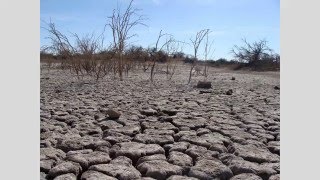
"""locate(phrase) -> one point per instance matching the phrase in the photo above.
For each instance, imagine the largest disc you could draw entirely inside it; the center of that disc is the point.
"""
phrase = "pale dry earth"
(167, 130)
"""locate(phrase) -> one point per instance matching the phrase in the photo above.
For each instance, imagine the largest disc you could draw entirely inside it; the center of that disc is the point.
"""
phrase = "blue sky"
(229, 20)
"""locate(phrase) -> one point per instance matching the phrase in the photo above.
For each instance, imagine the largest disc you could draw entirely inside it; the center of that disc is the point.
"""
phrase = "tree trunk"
(120, 68)
(190, 74)
(152, 69)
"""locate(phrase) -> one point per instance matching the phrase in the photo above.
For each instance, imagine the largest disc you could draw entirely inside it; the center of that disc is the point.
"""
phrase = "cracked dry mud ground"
(165, 131)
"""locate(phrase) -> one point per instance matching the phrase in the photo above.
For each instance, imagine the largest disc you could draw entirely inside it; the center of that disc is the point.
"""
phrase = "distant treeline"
(140, 54)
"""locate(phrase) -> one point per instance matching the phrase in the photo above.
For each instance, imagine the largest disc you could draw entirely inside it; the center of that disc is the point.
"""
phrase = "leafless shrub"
(86, 47)
(251, 52)
(157, 53)
(256, 55)
(60, 45)
(46, 57)
(121, 25)
(136, 57)
(172, 50)
(82, 58)
(207, 51)
(196, 43)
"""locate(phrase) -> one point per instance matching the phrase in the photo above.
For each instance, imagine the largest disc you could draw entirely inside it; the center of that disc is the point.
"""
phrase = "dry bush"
(60, 45)
(46, 57)
(121, 25)
(207, 52)
(82, 57)
(157, 54)
(173, 57)
(196, 43)
(256, 56)
(136, 57)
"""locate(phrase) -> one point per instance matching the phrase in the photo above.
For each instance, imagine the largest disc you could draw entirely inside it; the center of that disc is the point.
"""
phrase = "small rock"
(113, 114)
(229, 92)
(204, 84)
(170, 112)
(277, 87)
(96, 117)
(233, 78)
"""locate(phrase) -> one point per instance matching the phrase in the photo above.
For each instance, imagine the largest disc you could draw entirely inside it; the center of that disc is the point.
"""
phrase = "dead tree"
(80, 57)
(121, 24)
(196, 43)
(172, 49)
(155, 51)
(251, 53)
(61, 46)
(207, 50)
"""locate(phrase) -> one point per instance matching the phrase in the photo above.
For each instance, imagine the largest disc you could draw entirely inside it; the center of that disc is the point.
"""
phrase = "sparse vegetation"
(121, 25)
(256, 55)
(87, 56)
(196, 44)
